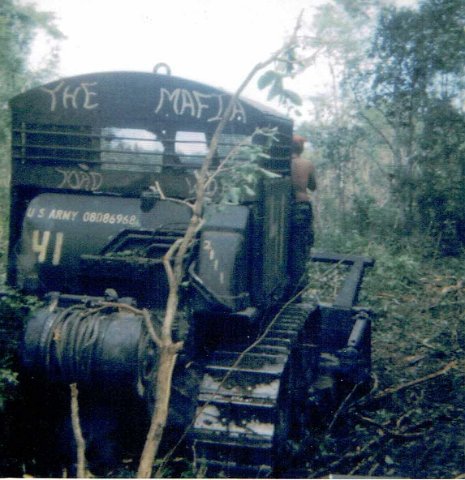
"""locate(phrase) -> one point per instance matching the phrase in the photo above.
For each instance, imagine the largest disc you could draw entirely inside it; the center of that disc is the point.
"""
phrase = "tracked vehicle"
(102, 167)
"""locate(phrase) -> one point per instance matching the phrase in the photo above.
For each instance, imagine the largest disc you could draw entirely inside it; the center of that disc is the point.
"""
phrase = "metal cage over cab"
(109, 131)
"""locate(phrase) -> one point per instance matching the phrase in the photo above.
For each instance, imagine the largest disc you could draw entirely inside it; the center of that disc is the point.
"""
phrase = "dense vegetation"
(388, 140)
(20, 23)
(389, 136)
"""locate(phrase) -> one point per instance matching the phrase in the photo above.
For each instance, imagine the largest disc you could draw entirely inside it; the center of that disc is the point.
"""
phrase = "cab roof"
(141, 99)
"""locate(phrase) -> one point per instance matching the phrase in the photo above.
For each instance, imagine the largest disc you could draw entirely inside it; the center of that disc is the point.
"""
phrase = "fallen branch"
(373, 469)
(388, 431)
(363, 462)
(431, 376)
(404, 416)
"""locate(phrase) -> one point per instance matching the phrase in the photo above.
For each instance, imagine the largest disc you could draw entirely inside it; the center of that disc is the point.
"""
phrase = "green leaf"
(249, 191)
(269, 174)
(275, 90)
(267, 79)
(234, 195)
(388, 460)
(292, 97)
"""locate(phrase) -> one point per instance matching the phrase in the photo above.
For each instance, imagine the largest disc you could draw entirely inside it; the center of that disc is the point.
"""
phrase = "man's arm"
(311, 177)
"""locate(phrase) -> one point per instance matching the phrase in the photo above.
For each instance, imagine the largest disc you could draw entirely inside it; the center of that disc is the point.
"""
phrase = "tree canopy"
(20, 23)
(396, 104)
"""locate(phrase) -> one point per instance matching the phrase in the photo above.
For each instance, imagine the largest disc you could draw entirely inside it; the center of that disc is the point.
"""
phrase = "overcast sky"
(212, 41)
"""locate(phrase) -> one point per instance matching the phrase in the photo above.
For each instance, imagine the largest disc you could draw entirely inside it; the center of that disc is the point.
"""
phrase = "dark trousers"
(301, 241)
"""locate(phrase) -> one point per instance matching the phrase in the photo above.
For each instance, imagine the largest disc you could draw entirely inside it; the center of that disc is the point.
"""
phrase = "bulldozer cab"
(93, 154)
(103, 168)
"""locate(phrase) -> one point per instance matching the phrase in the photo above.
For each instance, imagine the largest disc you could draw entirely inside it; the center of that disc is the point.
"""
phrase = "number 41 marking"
(40, 244)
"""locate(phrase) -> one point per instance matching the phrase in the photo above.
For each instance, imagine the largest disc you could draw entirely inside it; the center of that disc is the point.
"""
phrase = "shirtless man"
(302, 171)
(301, 237)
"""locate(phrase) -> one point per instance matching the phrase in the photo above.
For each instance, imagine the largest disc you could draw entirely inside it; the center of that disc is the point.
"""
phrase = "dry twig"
(342, 406)
(82, 471)
(354, 454)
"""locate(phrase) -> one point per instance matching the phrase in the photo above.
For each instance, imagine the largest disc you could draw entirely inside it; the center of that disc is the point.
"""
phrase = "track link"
(241, 416)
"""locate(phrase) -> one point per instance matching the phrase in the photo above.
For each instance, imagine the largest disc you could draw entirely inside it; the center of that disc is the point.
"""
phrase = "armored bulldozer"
(103, 166)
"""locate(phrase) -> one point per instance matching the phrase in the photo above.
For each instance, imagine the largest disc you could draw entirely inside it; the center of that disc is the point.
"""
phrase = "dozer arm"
(346, 328)
(348, 294)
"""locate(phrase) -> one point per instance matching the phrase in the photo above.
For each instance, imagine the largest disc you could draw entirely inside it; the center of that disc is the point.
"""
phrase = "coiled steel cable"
(71, 340)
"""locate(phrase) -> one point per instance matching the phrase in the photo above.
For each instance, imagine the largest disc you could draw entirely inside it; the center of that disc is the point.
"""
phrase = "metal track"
(243, 412)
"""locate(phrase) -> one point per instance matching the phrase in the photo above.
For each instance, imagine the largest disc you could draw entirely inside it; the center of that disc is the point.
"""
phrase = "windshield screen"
(117, 148)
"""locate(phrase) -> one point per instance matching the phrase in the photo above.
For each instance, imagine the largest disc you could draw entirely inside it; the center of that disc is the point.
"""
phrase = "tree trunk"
(167, 360)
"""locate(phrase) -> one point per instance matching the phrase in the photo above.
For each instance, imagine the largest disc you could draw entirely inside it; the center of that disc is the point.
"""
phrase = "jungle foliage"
(389, 137)
(388, 140)
(20, 24)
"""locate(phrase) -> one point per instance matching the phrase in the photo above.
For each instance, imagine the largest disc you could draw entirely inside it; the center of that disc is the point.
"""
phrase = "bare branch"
(159, 190)
(167, 258)
(342, 406)
(379, 132)
(174, 262)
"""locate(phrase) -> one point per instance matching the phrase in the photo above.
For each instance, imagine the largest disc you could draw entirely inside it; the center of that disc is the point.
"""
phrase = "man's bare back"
(302, 172)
